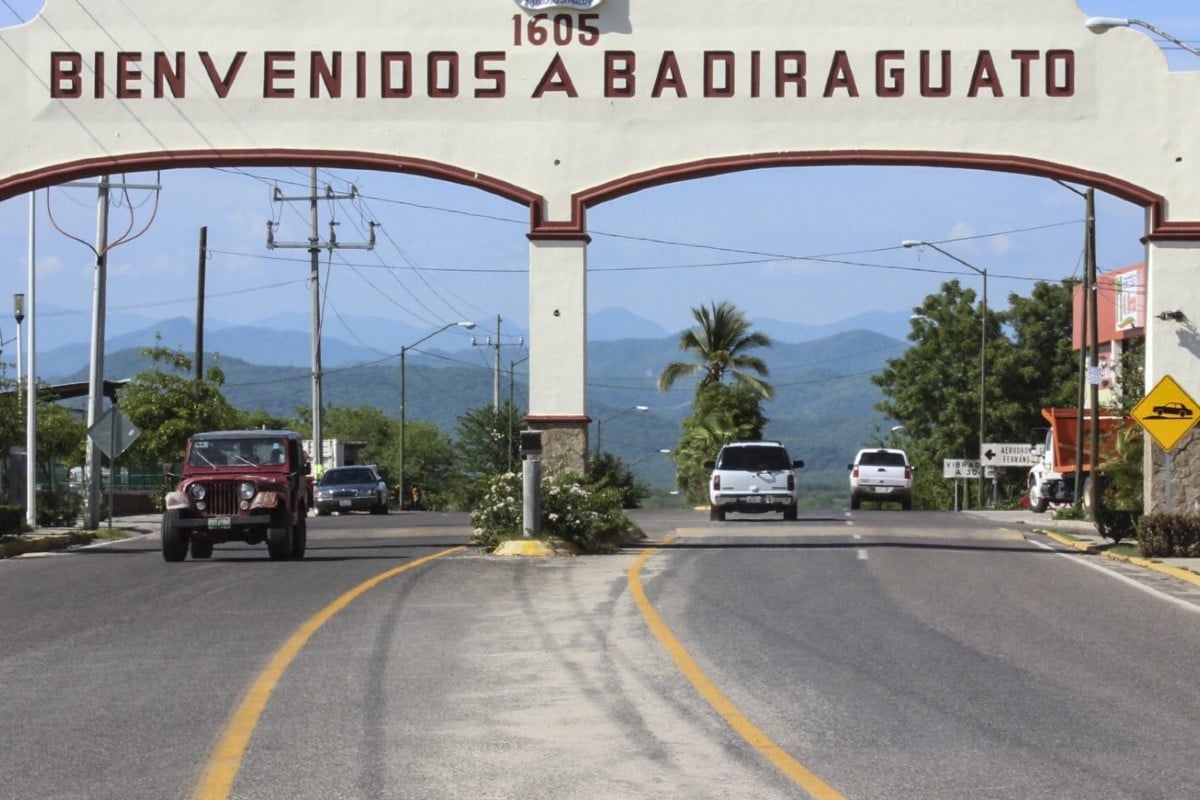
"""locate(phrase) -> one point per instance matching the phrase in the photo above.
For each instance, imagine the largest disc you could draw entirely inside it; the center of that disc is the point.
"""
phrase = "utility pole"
(199, 360)
(92, 472)
(496, 345)
(314, 246)
(1094, 353)
(95, 406)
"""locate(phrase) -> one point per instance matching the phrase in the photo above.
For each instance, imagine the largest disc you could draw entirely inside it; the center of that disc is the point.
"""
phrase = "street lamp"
(403, 354)
(982, 343)
(19, 316)
(666, 451)
(1104, 24)
(600, 422)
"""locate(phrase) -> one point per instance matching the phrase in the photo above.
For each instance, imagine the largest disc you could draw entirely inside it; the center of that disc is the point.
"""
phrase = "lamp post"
(600, 422)
(403, 354)
(1104, 24)
(19, 316)
(982, 345)
(665, 451)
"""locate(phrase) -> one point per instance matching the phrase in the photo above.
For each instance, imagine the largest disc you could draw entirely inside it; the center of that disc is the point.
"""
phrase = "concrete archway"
(562, 109)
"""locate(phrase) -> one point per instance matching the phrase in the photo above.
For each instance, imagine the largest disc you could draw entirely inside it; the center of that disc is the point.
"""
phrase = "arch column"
(558, 347)
(1173, 348)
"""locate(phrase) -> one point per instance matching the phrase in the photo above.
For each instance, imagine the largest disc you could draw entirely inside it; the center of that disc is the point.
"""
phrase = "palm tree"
(720, 344)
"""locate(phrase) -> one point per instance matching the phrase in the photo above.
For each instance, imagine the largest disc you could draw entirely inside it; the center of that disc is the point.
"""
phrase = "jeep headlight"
(197, 491)
(246, 491)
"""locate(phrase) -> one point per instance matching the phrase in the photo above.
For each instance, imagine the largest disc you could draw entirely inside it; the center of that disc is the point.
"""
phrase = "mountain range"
(823, 409)
(285, 339)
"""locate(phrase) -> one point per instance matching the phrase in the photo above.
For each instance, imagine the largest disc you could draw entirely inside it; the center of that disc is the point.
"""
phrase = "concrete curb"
(1093, 549)
(533, 548)
(44, 543)
(33, 543)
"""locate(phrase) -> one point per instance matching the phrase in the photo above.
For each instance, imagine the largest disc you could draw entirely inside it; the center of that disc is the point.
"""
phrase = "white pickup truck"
(881, 474)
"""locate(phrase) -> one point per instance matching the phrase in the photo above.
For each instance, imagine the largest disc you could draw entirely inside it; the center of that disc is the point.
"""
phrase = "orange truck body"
(1060, 443)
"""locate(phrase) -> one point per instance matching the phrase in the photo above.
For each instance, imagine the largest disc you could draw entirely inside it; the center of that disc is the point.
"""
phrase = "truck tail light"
(854, 474)
(791, 482)
(908, 473)
(716, 483)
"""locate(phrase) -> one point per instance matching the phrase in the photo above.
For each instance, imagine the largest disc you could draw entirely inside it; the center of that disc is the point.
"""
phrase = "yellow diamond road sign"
(1167, 413)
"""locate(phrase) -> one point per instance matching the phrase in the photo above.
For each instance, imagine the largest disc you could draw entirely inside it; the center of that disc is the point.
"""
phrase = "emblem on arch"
(576, 5)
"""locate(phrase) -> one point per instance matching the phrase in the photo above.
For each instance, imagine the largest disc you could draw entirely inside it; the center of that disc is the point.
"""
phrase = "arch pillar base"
(1172, 348)
(564, 443)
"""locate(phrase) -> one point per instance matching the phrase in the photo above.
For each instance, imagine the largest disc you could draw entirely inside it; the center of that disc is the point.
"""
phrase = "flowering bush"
(572, 512)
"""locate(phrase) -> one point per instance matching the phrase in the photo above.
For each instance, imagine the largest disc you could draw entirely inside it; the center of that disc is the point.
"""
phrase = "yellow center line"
(756, 738)
(226, 760)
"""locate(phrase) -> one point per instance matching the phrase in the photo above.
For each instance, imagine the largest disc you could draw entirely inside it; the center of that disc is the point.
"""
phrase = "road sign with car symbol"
(1167, 413)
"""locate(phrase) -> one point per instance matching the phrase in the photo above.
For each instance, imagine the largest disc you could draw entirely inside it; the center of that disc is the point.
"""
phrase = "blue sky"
(447, 253)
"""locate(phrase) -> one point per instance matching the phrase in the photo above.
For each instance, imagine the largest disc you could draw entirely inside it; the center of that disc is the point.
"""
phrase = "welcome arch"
(577, 102)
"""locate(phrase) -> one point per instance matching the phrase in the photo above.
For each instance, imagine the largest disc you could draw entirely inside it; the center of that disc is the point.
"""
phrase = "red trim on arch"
(551, 419)
(1175, 232)
(574, 229)
(189, 159)
(1160, 229)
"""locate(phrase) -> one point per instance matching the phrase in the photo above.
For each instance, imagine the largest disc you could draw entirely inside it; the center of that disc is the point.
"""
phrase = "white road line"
(1087, 562)
(858, 536)
(862, 554)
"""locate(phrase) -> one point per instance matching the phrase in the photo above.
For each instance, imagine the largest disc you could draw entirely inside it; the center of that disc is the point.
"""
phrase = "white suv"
(881, 474)
(752, 477)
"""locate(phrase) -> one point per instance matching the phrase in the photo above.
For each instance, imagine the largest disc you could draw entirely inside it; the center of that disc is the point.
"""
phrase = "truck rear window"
(755, 459)
(882, 460)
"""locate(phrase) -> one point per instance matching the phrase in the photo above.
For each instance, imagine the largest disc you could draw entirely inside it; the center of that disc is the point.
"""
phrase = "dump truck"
(1052, 478)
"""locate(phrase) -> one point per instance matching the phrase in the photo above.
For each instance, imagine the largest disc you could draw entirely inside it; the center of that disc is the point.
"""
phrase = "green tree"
(488, 440)
(61, 436)
(720, 414)
(1040, 369)
(260, 419)
(607, 471)
(379, 433)
(169, 405)
(12, 416)
(934, 388)
(720, 346)
(431, 476)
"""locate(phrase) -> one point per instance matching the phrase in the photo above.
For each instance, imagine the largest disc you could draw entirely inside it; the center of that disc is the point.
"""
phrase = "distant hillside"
(823, 408)
(285, 339)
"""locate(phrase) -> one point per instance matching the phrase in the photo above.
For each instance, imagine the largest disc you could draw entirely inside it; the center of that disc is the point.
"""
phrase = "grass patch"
(111, 534)
(1125, 550)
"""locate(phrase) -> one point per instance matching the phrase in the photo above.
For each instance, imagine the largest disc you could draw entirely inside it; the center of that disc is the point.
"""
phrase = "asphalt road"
(864, 655)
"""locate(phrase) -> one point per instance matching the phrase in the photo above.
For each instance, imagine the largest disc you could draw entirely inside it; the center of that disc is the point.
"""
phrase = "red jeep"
(239, 486)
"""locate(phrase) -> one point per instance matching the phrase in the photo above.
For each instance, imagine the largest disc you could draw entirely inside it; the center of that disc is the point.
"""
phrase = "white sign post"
(1018, 454)
(960, 468)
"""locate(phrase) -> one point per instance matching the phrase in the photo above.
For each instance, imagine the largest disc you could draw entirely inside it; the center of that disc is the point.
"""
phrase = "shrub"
(59, 508)
(1169, 535)
(572, 512)
(12, 520)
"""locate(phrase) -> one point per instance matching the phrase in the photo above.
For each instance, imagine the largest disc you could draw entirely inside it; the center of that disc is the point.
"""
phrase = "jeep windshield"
(236, 452)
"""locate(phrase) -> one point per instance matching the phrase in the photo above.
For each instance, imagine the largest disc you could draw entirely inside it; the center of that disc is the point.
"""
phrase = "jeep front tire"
(300, 539)
(174, 540)
(279, 537)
